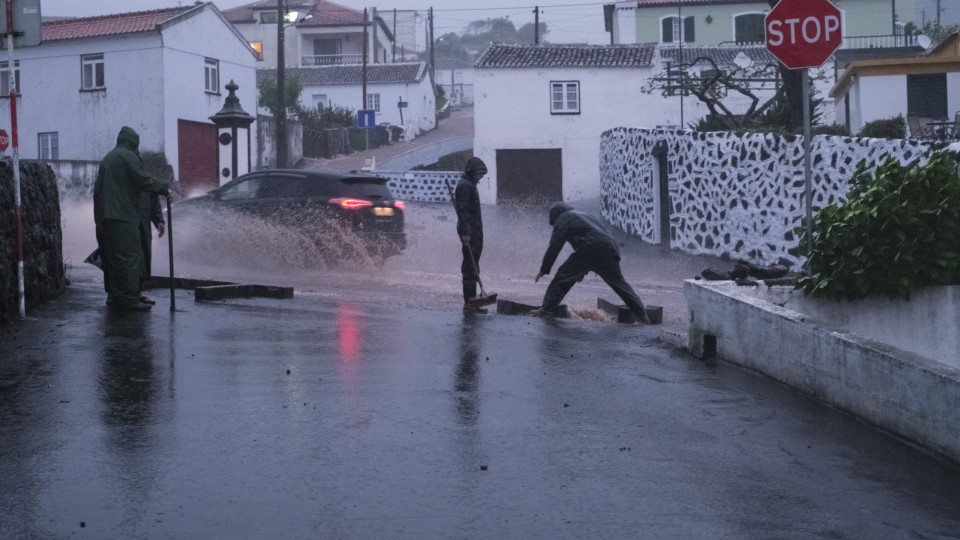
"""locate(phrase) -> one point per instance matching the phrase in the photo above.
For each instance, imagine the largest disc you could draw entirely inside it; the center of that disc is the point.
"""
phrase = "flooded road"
(370, 406)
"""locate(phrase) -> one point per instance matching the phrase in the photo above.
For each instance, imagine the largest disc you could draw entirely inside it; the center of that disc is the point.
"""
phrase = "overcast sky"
(567, 22)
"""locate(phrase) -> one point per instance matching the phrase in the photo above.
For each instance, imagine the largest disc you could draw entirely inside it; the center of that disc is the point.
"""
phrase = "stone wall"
(44, 277)
(739, 196)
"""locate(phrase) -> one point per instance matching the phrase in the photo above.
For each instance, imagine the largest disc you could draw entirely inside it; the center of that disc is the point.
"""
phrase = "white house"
(399, 94)
(540, 110)
(925, 86)
(161, 72)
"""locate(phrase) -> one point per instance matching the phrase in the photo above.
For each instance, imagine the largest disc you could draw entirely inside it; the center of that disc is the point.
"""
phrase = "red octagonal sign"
(803, 33)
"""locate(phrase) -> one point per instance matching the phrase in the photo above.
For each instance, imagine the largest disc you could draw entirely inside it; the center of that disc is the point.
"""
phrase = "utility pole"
(393, 47)
(281, 91)
(366, 132)
(433, 65)
(536, 25)
(373, 43)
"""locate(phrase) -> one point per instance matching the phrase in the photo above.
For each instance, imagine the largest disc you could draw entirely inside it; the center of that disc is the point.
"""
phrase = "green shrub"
(890, 128)
(831, 129)
(898, 231)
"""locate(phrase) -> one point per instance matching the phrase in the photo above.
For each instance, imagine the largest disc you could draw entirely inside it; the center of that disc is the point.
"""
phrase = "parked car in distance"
(343, 213)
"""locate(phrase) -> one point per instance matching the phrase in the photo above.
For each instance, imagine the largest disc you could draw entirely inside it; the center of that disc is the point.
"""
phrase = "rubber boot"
(469, 290)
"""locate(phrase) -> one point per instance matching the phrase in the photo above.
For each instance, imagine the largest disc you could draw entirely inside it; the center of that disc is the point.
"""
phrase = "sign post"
(803, 34)
(20, 27)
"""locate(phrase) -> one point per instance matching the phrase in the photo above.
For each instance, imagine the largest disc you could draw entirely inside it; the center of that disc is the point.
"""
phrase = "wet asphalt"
(328, 416)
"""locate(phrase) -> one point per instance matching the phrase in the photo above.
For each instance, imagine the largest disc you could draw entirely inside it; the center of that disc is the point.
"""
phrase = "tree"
(292, 87)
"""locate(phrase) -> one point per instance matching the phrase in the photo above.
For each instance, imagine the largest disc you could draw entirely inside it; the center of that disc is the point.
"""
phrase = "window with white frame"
(5, 78)
(373, 102)
(49, 145)
(564, 97)
(211, 75)
(268, 17)
(675, 30)
(92, 72)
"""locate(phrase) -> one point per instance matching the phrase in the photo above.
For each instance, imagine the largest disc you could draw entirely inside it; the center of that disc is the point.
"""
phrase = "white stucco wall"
(87, 122)
(512, 111)
(151, 82)
(876, 98)
(189, 43)
(420, 109)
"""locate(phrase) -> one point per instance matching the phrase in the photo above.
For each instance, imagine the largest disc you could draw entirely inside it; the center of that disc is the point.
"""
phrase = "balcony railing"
(330, 59)
(880, 42)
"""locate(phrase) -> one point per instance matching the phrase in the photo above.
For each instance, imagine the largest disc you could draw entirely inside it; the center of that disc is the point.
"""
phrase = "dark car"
(342, 213)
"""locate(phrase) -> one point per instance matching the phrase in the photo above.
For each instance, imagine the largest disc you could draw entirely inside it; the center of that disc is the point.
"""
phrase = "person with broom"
(594, 251)
(470, 228)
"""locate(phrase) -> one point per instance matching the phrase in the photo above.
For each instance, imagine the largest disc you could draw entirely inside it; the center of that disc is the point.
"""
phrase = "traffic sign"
(4, 140)
(803, 33)
(366, 118)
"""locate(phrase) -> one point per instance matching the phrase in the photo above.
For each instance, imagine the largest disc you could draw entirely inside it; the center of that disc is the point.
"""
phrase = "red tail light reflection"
(351, 203)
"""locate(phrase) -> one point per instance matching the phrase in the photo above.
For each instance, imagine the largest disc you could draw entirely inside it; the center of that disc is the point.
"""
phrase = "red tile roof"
(324, 13)
(109, 25)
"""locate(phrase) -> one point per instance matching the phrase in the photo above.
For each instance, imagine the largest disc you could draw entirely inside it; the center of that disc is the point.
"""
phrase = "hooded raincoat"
(470, 223)
(594, 251)
(121, 180)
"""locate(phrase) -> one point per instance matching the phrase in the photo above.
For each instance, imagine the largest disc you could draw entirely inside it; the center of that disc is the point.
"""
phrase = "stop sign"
(803, 33)
(4, 140)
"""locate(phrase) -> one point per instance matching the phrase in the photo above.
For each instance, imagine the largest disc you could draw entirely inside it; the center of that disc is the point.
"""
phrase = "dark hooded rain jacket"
(121, 179)
(584, 232)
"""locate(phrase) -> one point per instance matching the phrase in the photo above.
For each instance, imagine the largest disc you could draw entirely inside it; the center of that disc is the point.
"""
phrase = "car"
(346, 215)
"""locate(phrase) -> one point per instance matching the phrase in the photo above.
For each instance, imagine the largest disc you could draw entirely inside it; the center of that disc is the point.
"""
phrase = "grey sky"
(568, 22)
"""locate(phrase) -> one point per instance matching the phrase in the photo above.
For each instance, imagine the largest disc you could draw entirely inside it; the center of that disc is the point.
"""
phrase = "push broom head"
(482, 300)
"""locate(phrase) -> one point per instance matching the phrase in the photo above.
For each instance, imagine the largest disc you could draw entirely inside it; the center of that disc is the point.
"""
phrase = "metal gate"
(531, 176)
(197, 145)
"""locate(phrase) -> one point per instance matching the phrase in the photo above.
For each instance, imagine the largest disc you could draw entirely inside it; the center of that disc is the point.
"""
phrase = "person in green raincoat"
(121, 180)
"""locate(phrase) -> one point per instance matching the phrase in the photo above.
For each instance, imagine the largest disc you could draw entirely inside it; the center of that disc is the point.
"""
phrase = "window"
(927, 95)
(319, 101)
(748, 28)
(268, 17)
(92, 72)
(373, 102)
(211, 75)
(673, 32)
(565, 97)
(49, 144)
(257, 47)
(5, 77)
(242, 190)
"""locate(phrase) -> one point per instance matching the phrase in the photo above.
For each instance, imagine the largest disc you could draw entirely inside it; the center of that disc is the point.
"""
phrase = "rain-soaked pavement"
(369, 406)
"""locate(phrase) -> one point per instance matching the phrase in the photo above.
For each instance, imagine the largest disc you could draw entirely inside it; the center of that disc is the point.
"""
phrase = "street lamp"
(282, 17)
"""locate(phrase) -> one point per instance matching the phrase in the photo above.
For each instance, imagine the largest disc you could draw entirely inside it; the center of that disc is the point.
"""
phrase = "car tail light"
(399, 204)
(351, 203)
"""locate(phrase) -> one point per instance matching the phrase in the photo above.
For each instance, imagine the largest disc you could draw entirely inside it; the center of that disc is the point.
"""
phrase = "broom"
(484, 299)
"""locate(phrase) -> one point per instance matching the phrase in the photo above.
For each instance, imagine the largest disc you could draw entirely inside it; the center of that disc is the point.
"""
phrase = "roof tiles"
(110, 25)
(501, 55)
(350, 74)
(323, 13)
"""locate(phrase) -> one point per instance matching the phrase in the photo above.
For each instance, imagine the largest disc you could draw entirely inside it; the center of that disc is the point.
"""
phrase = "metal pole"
(16, 159)
(366, 132)
(281, 91)
(806, 160)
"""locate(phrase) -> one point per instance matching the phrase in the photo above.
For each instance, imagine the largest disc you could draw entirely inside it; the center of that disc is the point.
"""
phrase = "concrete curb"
(906, 394)
(207, 290)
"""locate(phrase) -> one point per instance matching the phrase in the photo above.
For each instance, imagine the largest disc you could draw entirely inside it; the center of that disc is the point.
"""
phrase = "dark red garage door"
(197, 144)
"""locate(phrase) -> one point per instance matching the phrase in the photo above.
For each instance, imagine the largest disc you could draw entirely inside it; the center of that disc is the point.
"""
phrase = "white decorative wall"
(739, 196)
(427, 186)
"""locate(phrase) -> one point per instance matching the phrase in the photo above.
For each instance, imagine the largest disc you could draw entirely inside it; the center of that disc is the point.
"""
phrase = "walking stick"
(173, 299)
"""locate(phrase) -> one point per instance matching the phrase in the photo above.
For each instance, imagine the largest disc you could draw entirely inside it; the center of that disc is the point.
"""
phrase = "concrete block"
(163, 282)
(507, 307)
(623, 314)
(222, 292)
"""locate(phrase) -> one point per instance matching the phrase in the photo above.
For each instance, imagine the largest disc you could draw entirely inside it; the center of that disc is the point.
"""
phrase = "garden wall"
(44, 277)
(739, 196)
